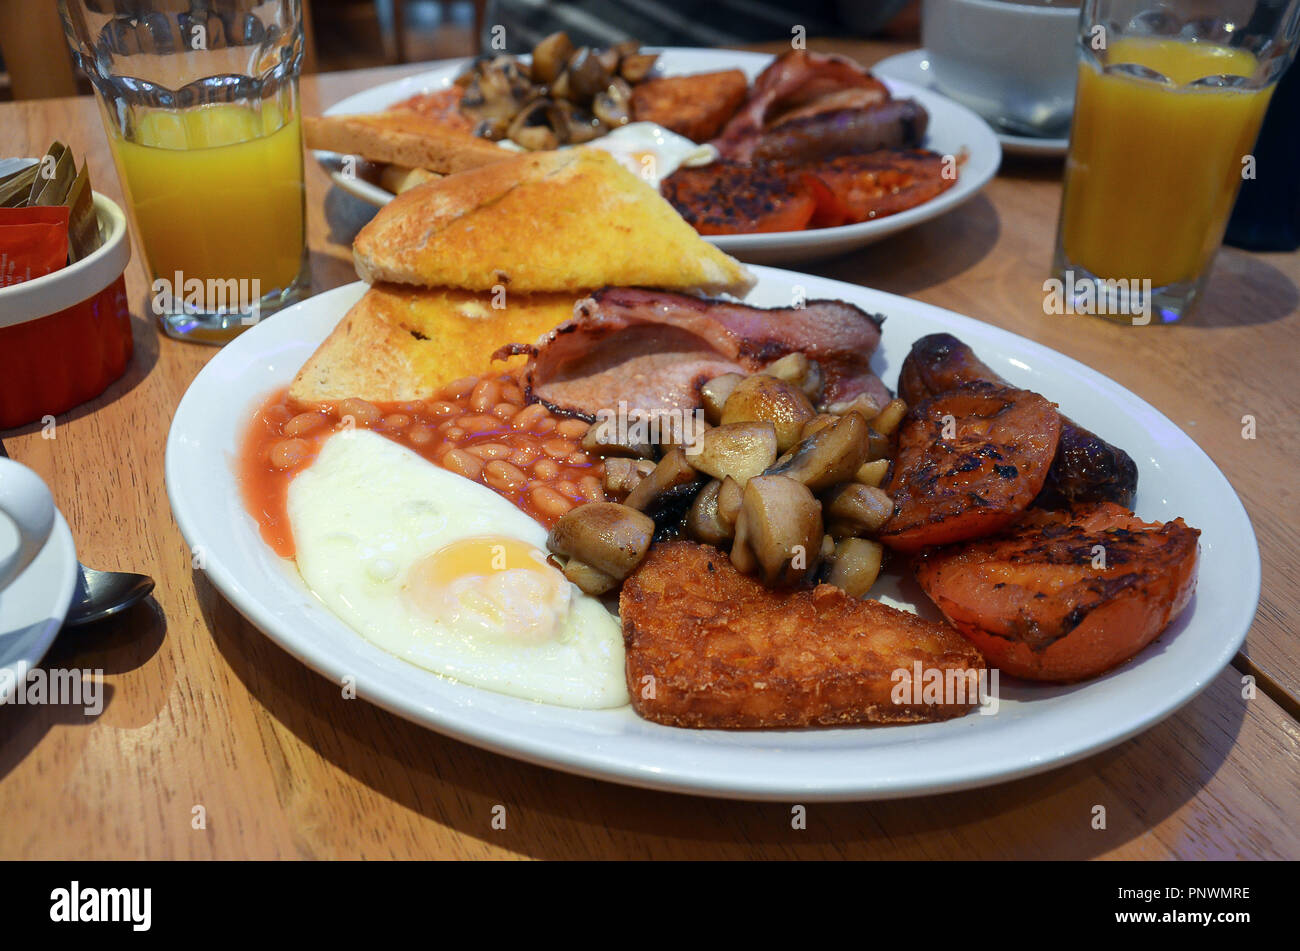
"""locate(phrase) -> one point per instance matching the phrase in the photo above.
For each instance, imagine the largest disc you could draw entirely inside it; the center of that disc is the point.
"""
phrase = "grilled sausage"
(1086, 467)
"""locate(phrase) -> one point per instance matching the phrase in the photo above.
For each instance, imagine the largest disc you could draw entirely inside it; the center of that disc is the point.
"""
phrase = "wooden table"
(204, 710)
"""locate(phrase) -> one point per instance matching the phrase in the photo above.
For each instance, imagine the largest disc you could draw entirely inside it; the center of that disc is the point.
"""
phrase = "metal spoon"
(101, 594)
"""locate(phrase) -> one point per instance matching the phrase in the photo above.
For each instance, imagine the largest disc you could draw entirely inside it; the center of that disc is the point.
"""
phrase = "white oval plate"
(913, 68)
(1037, 727)
(954, 129)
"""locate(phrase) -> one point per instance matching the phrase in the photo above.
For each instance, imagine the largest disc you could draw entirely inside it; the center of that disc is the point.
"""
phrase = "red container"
(66, 336)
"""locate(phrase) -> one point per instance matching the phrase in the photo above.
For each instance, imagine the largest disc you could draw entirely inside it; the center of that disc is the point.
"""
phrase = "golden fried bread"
(546, 221)
(403, 343)
(401, 138)
(721, 651)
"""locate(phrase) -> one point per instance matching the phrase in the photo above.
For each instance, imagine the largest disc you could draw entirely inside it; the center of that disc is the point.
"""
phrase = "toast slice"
(546, 221)
(402, 138)
(399, 344)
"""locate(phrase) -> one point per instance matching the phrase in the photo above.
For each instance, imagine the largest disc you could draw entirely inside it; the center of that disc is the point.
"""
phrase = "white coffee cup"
(1015, 63)
(27, 502)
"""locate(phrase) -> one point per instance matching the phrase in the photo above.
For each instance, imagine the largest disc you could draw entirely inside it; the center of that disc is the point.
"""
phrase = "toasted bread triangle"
(547, 221)
(401, 343)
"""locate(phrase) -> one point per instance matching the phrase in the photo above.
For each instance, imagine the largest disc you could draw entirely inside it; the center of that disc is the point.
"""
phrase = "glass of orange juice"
(200, 102)
(1169, 102)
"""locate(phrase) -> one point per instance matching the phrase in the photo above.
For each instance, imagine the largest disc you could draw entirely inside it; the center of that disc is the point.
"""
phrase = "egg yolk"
(490, 587)
(476, 556)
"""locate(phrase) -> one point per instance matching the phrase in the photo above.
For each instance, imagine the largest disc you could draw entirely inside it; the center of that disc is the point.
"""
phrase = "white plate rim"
(711, 779)
(985, 156)
(904, 67)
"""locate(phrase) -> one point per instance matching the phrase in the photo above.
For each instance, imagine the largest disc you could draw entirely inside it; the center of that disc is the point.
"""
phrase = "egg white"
(367, 511)
(652, 152)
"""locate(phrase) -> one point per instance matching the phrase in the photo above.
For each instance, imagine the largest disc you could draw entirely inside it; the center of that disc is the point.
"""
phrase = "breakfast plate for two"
(1034, 727)
(953, 130)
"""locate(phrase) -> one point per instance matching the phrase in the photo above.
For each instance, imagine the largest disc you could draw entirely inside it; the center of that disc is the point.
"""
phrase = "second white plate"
(953, 130)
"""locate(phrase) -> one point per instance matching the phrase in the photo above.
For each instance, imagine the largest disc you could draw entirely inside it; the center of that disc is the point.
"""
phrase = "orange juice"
(217, 192)
(1153, 170)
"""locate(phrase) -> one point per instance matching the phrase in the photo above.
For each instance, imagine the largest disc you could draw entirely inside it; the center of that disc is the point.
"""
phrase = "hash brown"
(724, 652)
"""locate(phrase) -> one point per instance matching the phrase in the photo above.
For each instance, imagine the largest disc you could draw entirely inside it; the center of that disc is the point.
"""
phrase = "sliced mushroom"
(623, 475)
(494, 95)
(872, 473)
(605, 536)
(761, 398)
(531, 127)
(797, 370)
(587, 75)
(591, 580)
(739, 450)
(550, 57)
(618, 436)
(862, 404)
(829, 456)
(853, 566)
(677, 429)
(637, 67)
(877, 445)
(818, 422)
(853, 510)
(714, 393)
(574, 125)
(778, 532)
(705, 523)
(888, 419)
(670, 480)
(730, 496)
(613, 105)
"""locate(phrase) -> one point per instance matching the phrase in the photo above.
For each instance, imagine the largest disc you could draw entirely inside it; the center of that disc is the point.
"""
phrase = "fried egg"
(448, 575)
(652, 152)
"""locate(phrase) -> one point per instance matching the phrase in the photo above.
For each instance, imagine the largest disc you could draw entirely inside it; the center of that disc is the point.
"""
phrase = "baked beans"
(476, 427)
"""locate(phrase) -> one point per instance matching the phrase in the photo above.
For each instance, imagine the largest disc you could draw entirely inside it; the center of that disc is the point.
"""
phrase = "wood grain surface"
(201, 709)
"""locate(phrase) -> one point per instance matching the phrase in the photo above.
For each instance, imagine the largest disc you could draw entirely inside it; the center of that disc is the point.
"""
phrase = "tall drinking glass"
(1170, 99)
(200, 102)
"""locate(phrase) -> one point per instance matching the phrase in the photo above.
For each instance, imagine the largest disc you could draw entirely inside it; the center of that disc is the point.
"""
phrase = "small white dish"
(1037, 727)
(33, 606)
(953, 130)
(914, 67)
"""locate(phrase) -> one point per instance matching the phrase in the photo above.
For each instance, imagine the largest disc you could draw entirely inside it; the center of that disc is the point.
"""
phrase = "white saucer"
(914, 67)
(33, 607)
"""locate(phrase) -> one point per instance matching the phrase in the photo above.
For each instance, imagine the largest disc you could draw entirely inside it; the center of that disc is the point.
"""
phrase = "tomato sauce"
(478, 427)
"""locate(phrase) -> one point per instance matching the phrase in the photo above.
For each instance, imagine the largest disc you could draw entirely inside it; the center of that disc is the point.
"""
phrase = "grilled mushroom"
(623, 475)
(550, 57)
(854, 565)
(739, 450)
(705, 523)
(714, 393)
(637, 66)
(531, 127)
(778, 532)
(613, 105)
(666, 491)
(853, 510)
(757, 398)
(606, 538)
(829, 456)
(796, 369)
